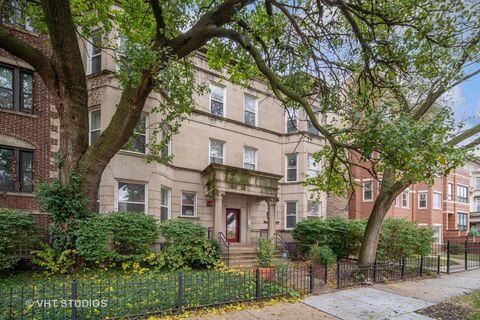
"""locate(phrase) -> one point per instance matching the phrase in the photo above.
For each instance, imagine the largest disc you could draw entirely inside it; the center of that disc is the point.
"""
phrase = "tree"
(375, 69)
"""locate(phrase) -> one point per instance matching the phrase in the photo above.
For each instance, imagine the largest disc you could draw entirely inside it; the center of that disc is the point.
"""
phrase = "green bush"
(457, 248)
(402, 238)
(322, 255)
(16, 229)
(341, 235)
(473, 233)
(187, 247)
(264, 253)
(116, 237)
(53, 263)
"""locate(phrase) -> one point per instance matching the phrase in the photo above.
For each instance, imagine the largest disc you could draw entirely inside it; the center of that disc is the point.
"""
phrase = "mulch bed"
(446, 311)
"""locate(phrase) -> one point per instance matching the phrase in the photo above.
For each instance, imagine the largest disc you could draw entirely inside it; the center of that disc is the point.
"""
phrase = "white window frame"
(224, 89)
(458, 192)
(450, 191)
(288, 112)
(194, 204)
(296, 214)
(90, 123)
(245, 109)
(117, 198)
(90, 52)
(426, 199)
(224, 150)
(315, 169)
(168, 145)
(433, 200)
(255, 167)
(169, 202)
(476, 202)
(318, 116)
(407, 198)
(439, 233)
(363, 190)
(287, 168)
(146, 137)
(477, 183)
(319, 209)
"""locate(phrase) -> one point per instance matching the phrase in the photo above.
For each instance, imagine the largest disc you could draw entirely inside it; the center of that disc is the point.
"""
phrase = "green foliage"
(322, 255)
(473, 233)
(116, 237)
(341, 235)
(402, 238)
(264, 253)
(16, 229)
(187, 247)
(53, 263)
(457, 248)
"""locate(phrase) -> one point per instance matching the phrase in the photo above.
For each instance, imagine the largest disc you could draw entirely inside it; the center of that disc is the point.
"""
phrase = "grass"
(113, 293)
(472, 300)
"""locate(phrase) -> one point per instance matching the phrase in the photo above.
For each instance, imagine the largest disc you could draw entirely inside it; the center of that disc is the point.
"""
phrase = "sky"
(465, 100)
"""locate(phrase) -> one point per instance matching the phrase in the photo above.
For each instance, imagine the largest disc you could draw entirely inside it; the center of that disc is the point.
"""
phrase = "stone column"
(272, 221)
(218, 215)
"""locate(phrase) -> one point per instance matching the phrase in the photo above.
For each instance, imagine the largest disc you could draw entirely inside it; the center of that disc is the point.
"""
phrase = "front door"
(233, 225)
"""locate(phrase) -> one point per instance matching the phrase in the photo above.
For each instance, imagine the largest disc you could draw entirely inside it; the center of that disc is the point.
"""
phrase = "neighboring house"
(474, 169)
(444, 206)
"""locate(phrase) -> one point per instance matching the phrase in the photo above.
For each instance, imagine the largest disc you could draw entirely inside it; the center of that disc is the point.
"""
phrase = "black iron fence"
(456, 255)
(160, 294)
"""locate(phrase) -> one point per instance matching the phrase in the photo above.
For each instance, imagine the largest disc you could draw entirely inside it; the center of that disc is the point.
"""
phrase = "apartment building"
(473, 167)
(444, 206)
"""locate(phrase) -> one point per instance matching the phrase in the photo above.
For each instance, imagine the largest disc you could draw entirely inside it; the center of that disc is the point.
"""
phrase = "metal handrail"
(223, 241)
(280, 243)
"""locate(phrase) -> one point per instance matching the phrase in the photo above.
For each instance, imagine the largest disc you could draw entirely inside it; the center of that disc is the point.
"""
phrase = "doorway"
(233, 225)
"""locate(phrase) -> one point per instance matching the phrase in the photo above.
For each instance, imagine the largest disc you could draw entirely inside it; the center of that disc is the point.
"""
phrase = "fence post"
(448, 256)
(438, 264)
(326, 273)
(466, 254)
(180, 293)
(74, 298)
(310, 270)
(339, 276)
(375, 271)
(421, 266)
(257, 283)
(402, 274)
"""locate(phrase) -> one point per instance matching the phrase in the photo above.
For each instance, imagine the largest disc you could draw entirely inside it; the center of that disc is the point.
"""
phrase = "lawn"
(461, 307)
(112, 294)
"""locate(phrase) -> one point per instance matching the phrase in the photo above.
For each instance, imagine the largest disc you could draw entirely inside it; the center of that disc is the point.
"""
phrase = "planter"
(267, 273)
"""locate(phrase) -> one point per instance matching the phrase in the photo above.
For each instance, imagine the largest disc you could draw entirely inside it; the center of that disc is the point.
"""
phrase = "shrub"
(264, 253)
(16, 229)
(473, 233)
(116, 237)
(402, 238)
(457, 248)
(322, 255)
(342, 236)
(54, 263)
(176, 230)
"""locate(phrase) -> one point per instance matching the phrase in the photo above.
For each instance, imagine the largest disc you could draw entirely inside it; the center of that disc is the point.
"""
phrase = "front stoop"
(243, 255)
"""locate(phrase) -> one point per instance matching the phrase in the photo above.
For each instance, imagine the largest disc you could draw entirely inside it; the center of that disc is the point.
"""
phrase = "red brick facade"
(39, 130)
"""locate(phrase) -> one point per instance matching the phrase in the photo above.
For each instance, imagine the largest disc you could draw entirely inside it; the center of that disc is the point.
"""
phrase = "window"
(437, 200)
(131, 197)
(450, 191)
(217, 100)
(217, 151)
(437, 233)
(397, 202)
(422, 200)
(164, 204)
(313, 166)
(188, 204)
(166, 148)
(138, 141)
(249, 158)
(405, 195)
(95, 125)
(16, 89)
(462, 194)
(95, 59)
(477, 204)
(314, 209)
(291, 120)
(310, 126)
(367, 191)
(16, 170)
(462, 221)
(14, 13)
(290, 214)
(477, 183)
(291, 167)
(250, 110)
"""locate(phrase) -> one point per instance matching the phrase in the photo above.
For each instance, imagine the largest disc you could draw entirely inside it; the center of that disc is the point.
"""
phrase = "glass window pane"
(26, 171)
(131, 192)
(6, 78)
(163, 213)
(164, 197)
(96, 64)
(6, 168)
(313, 208)
(291, 160)
(96, 43)
(216, 108)
(188, 211)
(27, 83)
(291, 174)
(95, 119)
(291, 208)
(250, 155)
(94, 135)
(250, 103)
(131, 207)
(216, 92)
(250, 118)
(291, 221)
(188, 198)
(6, 98)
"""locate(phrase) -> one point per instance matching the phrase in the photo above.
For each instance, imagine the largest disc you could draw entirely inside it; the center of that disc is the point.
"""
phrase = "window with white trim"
(422, 200)
(462, 194)
(95, 52)
(437, 200)
(477, 183)
(188, 204)
(95, 129)
(131, 197)
(405, 195)
(313, 166)
(138, 141)
(290, 214)
(217, 100)
(310, 126)
(450, 191)
(291, 173)
(367, 191)
(250, 110)
(250, 158)
(291, 120)
(167, 147)
(477, 204)
(165, 196)
(314, 209)
(217, 151)
(437, 233)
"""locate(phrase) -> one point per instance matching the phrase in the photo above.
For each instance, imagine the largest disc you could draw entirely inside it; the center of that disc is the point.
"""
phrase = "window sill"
(132, 153)
(19, 113)
(18, 194)
(189, 217)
